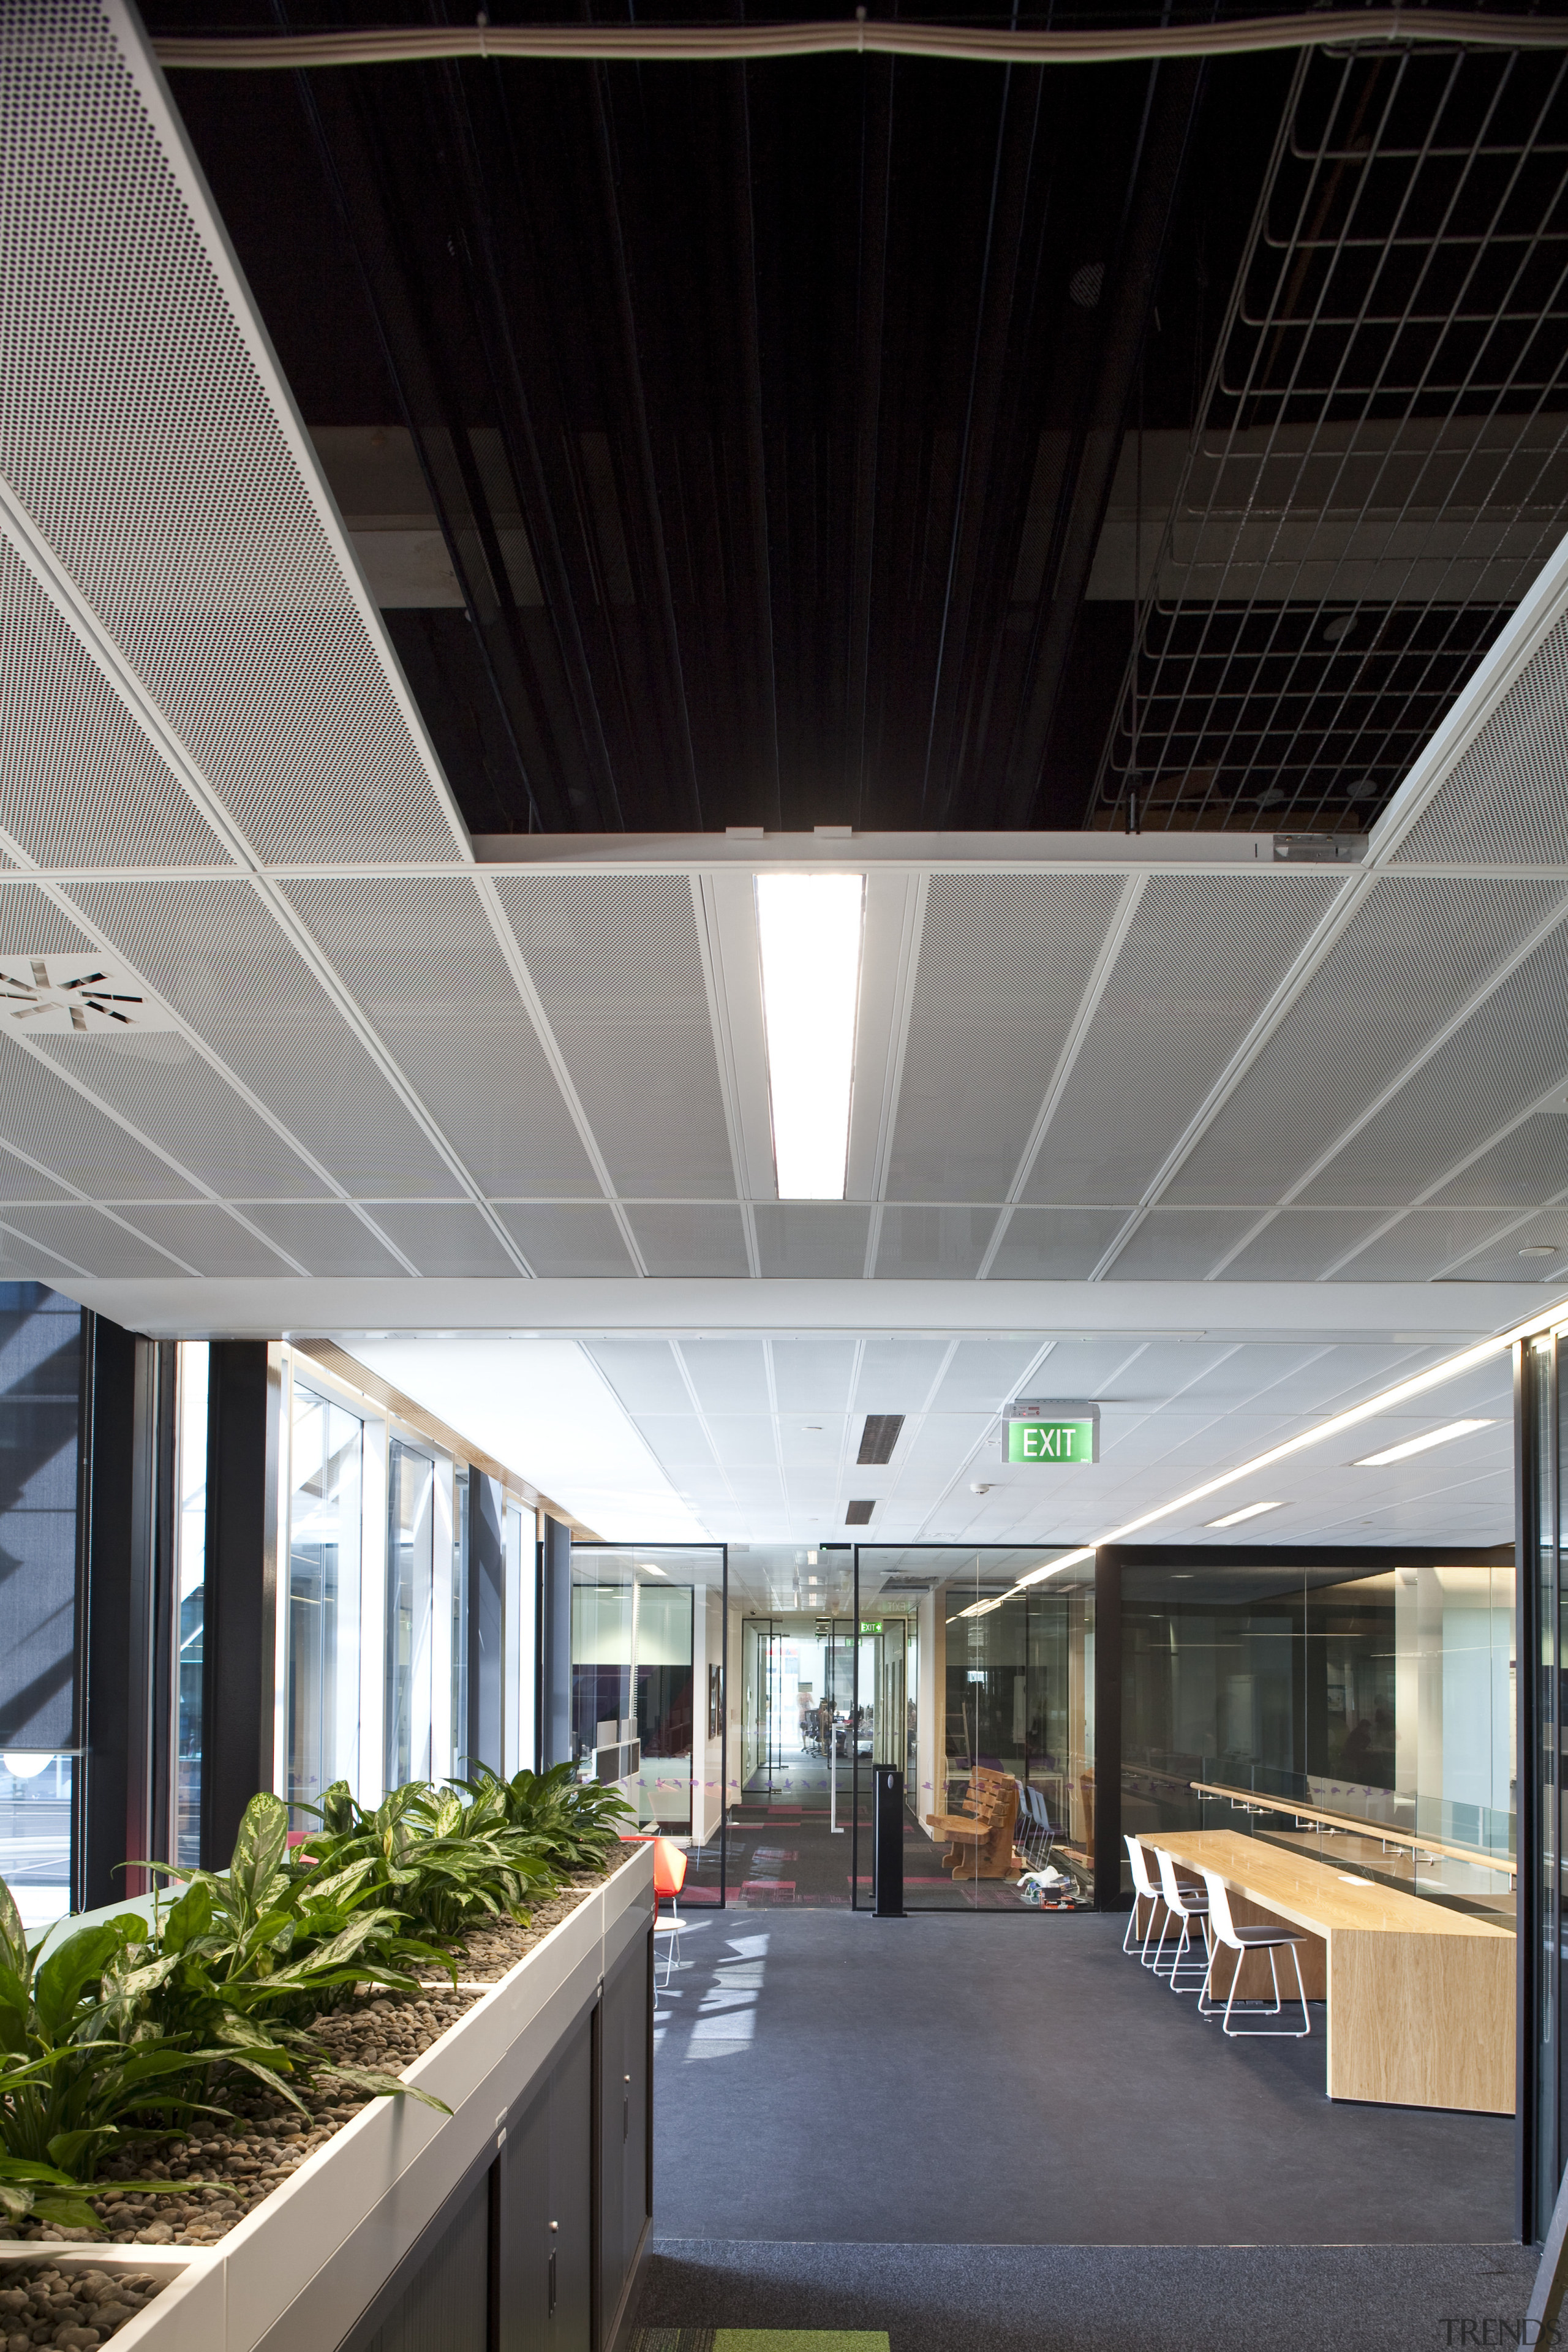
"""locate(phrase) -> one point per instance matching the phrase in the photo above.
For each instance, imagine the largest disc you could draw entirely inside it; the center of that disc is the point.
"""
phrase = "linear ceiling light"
(1387, 1401)
(1248, 1511)
(810, 928)
(1419, 1444)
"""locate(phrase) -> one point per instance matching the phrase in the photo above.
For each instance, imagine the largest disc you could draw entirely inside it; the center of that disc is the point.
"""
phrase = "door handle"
(552, 2282)
(626, 2109)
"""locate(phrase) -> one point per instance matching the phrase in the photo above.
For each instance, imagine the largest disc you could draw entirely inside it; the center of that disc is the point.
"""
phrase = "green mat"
(760, 2339)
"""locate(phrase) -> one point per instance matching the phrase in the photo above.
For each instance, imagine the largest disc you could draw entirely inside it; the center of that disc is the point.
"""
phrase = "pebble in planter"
(73, 2310)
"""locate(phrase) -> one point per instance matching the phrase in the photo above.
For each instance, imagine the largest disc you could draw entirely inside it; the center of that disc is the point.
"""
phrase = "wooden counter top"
(1315, 1894)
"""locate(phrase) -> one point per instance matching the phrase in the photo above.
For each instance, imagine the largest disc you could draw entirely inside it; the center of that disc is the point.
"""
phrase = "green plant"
(82, 2064)
(436, 1863)
(573, 1825)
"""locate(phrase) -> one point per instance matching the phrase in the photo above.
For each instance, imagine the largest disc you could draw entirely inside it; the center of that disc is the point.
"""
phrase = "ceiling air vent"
(879, 1437)
(858, 1515)
(51, 995)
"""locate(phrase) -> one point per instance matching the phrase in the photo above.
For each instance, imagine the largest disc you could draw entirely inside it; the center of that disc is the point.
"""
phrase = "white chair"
(1191, 1906)
(1225, 1935)
(1143, 1891)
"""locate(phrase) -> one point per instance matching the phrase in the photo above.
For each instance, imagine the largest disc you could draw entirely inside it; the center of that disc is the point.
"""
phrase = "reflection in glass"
(459, 1764)
(322, 1698)
(410, 1581)
(1385, 1698)
(36, 1834)
(190, 1565)
(648, 1691)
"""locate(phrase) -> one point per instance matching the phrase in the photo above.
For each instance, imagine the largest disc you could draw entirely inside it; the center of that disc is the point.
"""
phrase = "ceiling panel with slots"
(302, 1027)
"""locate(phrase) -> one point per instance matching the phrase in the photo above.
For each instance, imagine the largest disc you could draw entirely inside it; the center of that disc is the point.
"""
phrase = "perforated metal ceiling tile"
(928, 1244)
(642, 1374)
(614, 958)
(137, 427)
(1202, 958)
(19, 1181)
(729, 1375)
(1528, 1165)
(1503, 1259)
(446, 1237)
(51, 1122)
(31, 924)
(1504, 802)
(95, 1243)
(812, 1237)
(812, 1376)
(426, 968)
(1178, 1245)
(1299, 1245)
(1495, 1066)
(1004, 963)
(563, 1238)
(216, 954)
(678, 1238)
(1421, 1245)
(676, 1440)
(209, 1239)
(161, 1084)
(896, 1375)
(744, 1443)
(325, 1238)
(1416, 951)
(984, 1374)
(1055, 1244)
(79, 782)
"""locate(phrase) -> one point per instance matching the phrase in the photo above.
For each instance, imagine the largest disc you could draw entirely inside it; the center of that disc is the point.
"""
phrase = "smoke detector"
(52, 997)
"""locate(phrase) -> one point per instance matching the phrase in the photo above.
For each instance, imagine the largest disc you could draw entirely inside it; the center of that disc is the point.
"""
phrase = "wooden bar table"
(1420, 1999)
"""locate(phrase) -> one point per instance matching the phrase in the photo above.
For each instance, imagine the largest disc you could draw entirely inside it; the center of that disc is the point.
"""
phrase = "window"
(461, 1763)
(410, 1594)
(326, 1477)
(190, 1568)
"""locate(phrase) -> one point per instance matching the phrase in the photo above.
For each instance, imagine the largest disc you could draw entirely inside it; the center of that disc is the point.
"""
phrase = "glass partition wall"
(648, 1712)
(974, 1674)
(1360, 1708)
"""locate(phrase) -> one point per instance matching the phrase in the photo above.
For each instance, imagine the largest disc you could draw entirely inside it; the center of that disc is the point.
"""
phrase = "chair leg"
(1186, 1948)
(1262, 2009)
(1155, 1904)
(1158, 1962)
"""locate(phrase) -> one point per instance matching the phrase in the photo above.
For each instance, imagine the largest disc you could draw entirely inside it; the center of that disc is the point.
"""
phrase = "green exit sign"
(1035, 1430)
(870, 1625)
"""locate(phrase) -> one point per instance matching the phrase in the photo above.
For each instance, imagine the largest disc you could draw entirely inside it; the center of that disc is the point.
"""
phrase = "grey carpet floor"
(943, 2298)
(825, 2077)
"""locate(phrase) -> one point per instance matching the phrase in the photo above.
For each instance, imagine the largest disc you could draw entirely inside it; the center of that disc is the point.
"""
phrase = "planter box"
(303, 2267)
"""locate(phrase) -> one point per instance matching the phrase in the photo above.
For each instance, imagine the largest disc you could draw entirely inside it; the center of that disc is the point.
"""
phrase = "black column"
(555, 1715)
(239, 1628)
(113, 1802)
(1108, 1732)
(487, 1586)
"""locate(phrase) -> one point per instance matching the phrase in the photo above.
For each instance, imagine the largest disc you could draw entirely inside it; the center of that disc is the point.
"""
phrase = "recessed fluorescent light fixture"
(810, 928)
(1248, 1511)
(1419, 1444)
(651, 1568)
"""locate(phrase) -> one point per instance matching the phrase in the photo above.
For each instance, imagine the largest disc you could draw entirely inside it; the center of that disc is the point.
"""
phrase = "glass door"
(975, 1675)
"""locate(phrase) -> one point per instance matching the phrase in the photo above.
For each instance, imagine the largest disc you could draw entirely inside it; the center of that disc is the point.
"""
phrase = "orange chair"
(668, 1878)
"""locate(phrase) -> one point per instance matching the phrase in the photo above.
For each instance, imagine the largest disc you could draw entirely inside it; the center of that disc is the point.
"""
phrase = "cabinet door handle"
(552, 2282)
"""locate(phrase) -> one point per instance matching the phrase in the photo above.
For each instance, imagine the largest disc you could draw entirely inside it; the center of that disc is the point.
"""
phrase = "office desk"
(1420, 1999)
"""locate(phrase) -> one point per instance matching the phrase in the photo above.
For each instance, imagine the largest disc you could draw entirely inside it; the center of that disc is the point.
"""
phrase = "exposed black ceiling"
(799, 443)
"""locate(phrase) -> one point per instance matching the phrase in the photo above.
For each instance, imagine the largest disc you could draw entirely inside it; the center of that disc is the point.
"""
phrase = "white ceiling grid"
(1080, 1061)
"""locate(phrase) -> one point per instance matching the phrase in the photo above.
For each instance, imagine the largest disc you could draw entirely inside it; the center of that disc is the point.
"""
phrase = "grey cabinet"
(543, 2209)
(625, 2029)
